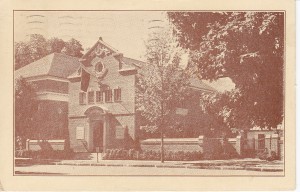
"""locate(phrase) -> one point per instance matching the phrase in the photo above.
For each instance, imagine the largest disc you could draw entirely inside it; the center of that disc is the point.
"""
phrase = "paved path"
(123, 171)
(238, 164)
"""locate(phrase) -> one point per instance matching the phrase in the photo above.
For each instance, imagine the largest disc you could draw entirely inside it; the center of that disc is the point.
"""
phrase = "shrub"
(132, 154)
(45, 154)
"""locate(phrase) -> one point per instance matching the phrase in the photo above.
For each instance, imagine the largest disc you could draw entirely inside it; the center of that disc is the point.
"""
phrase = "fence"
(218, 147)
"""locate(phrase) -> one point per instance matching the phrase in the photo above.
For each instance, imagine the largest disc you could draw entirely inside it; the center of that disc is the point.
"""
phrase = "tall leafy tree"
(73, 48)
(247, 47)
(55, 45)
(161, 84)
(37, 47)
(25, 107)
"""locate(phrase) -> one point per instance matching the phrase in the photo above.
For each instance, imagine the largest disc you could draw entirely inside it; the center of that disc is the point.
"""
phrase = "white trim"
(52, 96)
(46, 77)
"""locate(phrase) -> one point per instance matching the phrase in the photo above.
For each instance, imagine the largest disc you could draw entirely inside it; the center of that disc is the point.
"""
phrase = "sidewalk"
(232, 164)
(238, 164)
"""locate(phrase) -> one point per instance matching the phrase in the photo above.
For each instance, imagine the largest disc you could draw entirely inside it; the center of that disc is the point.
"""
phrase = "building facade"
(49, 76)
(102, 112)
(90, 102)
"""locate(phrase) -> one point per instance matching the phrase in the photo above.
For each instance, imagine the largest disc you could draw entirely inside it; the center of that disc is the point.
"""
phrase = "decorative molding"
(52, 96)
(46, 77)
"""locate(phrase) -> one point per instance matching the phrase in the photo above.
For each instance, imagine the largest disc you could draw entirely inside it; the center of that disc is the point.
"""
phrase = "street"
(123, 171)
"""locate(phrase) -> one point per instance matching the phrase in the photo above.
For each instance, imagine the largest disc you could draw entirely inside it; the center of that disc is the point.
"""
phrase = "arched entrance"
(97, 119)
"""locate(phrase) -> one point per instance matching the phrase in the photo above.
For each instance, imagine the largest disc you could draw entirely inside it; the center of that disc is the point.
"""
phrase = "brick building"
(49, 75)
(92, 99)
(103, 114)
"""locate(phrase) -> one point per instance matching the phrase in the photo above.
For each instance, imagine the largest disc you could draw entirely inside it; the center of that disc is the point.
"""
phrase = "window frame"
(117, 94)
(82, 98)
(99, 93)
(91, 97)
(106, 94)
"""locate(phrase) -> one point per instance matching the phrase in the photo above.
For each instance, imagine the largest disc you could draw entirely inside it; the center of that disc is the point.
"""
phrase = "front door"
(98, 135)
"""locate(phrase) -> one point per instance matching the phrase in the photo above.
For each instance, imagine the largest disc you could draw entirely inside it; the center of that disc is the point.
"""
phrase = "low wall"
(200, 144)
(172, 144)
(36, 145)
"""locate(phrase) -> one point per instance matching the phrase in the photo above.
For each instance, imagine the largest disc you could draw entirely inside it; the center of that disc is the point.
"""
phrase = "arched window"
(99, 67)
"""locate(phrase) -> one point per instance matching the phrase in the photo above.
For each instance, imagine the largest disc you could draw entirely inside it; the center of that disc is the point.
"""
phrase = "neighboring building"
(49, 75)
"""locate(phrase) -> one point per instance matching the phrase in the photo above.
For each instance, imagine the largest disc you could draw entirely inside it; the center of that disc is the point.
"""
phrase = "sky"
(126, 31)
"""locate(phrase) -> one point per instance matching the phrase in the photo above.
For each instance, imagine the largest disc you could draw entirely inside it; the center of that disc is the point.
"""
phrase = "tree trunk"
(162, 159)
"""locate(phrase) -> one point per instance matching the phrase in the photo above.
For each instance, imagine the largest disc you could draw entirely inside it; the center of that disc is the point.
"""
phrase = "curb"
(262, 169)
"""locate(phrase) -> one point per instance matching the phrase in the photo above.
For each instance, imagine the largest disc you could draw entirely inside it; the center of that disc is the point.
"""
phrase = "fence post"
(238, 144)
(27, 144)
(201, 142)
(274, 143)
(268, 143)
(281, 148)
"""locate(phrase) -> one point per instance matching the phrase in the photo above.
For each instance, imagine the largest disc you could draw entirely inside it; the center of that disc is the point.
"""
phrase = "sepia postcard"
(147, 95)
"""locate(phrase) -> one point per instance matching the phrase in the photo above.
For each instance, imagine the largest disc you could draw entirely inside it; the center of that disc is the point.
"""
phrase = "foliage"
(45, 154)
(121, 154)
(25, 106)
(73, 48)
(161, 84)
(38, 47)
(247, 47)
(264, 155)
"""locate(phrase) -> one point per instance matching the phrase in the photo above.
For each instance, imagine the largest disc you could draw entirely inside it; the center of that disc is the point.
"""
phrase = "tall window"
(99, 96)
(91, 97)
(82, 98)
(117, 94)
(108, 95)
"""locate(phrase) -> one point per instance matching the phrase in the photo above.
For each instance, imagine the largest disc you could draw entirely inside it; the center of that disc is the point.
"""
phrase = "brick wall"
(121, 113)
(201, 144)
(79, 145)
(177, 144)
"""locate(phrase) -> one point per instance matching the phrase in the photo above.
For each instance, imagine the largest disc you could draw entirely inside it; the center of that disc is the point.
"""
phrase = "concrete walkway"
(238, 164)
(232, 164)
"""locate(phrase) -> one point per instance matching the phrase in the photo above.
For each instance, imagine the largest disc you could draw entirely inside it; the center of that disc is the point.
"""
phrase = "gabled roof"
(100, 41)
(133, 62)
(55, 64)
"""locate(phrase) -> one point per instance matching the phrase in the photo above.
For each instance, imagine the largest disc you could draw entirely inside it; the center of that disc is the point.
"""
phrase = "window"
(99, 96)
(108, 95)
(82, 98)
(91, 97)
(99, 67)
(117, 94)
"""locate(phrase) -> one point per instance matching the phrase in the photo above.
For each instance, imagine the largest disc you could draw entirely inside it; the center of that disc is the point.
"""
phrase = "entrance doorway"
(97, 127)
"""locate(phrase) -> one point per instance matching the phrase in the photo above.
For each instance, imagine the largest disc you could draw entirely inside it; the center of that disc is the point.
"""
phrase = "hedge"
(131, 154)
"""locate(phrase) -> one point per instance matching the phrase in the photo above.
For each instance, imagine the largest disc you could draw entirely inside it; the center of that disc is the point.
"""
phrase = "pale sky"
(124, 30)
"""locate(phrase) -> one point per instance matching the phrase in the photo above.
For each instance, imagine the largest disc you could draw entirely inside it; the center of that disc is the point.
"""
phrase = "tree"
(247, 47)
(161, 84)
(27, 52)
(73, 48)
(55, 45)
(25, 107)
(38, 47)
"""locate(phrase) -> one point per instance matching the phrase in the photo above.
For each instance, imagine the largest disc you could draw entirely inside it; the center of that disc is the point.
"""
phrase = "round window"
(99, 67)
